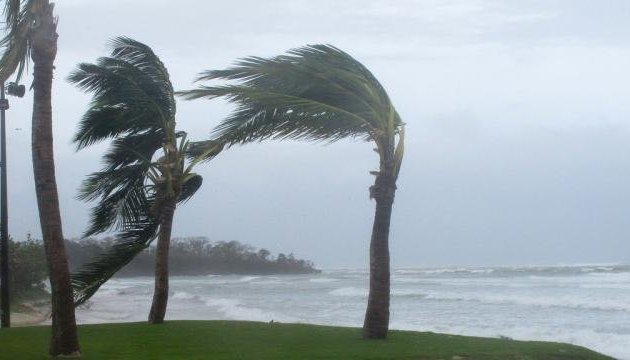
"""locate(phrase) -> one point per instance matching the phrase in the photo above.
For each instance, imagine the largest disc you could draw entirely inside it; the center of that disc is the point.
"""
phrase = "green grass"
(251, 340)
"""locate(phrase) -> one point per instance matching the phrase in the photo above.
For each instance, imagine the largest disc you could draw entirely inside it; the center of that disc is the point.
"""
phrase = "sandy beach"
(30, 315)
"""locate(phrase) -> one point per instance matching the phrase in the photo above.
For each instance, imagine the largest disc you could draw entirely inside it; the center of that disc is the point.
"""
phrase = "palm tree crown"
(133, 105)
(315, 92)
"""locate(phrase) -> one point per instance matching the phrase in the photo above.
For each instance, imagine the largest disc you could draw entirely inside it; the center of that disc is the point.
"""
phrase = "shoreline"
(30, 315)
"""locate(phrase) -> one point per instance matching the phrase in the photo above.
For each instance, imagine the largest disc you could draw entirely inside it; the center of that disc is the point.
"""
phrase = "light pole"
(5, 309)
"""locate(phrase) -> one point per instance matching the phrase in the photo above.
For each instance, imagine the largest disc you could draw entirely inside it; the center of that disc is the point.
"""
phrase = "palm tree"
(31, 29)
(318, 93)
(145, 174)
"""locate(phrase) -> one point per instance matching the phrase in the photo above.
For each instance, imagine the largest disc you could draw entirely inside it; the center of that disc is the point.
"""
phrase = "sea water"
(586, 305)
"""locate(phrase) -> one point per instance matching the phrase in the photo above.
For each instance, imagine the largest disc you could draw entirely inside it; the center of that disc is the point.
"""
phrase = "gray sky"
(517, 112)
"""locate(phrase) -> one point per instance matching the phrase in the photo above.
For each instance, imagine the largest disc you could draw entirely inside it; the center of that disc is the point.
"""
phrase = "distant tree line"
(195, 256)
(189, 256)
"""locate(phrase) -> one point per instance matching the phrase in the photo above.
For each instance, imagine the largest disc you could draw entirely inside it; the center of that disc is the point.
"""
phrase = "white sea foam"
(536, 300)
(608, 343)
(349, 292)
(439, 271)
(323, 280)
(182, 295)
(268, 280)
(235, 310)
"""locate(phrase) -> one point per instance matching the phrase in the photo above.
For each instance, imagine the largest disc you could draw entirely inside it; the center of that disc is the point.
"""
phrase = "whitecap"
(350, 292)
(233, 309)
(182, 295)
(539, 301)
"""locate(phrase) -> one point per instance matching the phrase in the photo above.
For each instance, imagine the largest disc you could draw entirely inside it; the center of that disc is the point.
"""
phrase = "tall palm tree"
(319, 93)
(31, 29)
(145, 174)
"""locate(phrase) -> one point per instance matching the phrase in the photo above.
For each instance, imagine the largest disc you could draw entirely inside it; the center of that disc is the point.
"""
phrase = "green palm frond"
(264, 113)
(200, 151)
(121, 194)
(142, 58)
(130, 242)
(191, 184)
(19, 16)
(134, 149)
(11, 13)
(132, 94)
(122, 104)
(315, 92)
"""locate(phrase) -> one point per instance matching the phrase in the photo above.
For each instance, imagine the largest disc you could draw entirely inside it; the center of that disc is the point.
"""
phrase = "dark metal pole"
(4, 226)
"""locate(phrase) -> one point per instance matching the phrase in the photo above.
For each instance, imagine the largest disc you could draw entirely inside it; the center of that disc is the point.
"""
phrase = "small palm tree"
(145, 175)
(318, 93)
(31, 30)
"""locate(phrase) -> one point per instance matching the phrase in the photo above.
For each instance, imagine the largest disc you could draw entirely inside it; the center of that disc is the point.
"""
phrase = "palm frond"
(18, 16)
(200, 151)
(142, 57)
(133, 240)
(316, 92)
(191, 184)
(133, 149)
(132, 94)
(11, 12)
(263, 113)
(122, 196)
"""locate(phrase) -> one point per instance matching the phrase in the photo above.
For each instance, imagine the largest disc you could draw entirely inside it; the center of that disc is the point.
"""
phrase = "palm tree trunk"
(43, 51)
(160, 294)
(376, 321)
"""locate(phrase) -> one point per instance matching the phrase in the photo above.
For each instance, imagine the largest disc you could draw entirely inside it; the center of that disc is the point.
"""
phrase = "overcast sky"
(517, 112)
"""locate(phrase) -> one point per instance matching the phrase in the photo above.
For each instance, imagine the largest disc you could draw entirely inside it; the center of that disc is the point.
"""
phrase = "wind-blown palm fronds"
(314, 93)
(130, 242)
(134, 107)
(19, 16)
(317, 93)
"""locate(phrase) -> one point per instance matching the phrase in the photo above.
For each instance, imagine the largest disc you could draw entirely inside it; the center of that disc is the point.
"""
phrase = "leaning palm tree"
(145, 174)
(318, 93)
(31, 30)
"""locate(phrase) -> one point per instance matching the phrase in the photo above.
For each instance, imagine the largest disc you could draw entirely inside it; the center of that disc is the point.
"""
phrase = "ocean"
(587, 305)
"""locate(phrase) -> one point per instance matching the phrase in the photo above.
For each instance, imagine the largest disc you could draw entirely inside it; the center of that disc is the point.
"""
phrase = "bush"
(27, 269)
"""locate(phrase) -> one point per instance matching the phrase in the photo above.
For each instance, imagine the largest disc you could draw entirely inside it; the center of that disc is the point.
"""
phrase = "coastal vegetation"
(188, 256)
(197, 256)
(318, 93)
(252, 340)
(27, 261)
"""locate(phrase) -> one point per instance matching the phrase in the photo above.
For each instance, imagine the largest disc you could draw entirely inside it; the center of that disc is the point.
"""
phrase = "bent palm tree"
(319, 93)
(31, 29)
(145, 175)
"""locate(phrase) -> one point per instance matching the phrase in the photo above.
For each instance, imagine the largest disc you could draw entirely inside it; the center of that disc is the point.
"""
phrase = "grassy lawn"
(251, 340)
